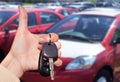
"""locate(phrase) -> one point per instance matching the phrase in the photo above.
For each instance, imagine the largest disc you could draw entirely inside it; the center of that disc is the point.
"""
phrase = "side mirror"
(6, 30)
(13, 27)
(116, 41)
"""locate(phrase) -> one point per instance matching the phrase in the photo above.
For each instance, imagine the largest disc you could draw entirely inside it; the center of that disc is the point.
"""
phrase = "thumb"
(22, 27)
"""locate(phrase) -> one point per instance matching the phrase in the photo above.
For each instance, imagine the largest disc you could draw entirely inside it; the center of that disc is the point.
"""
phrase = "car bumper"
(61, 76)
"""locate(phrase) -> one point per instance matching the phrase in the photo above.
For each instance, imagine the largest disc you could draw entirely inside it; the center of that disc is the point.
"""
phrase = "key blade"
(51, 64)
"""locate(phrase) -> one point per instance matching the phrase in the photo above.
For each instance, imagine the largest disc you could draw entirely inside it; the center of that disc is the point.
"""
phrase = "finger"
(22, 27)
(59, 53)
(58, 44)
(54, 37)
(58, 62)
(46, 38)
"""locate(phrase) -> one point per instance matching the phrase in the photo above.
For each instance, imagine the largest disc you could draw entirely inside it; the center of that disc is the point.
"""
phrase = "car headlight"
(81, 62)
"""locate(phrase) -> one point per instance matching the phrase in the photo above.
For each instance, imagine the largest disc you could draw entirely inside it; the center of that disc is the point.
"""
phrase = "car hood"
(74, 49)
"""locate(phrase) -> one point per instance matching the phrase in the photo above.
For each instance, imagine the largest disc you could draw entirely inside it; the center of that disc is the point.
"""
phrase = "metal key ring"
(50, 40)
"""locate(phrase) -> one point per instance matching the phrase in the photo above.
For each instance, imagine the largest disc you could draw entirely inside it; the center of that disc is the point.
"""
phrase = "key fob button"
(46, 64)
(46, 70)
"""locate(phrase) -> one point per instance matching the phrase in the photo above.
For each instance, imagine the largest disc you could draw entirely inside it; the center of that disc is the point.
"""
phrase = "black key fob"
(43, 66)
(49, 50)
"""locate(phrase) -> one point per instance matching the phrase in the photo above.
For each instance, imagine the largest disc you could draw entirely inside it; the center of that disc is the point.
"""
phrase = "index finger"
(46, 38)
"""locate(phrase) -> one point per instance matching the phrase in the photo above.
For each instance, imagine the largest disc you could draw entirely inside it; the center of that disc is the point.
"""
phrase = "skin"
(24, 52)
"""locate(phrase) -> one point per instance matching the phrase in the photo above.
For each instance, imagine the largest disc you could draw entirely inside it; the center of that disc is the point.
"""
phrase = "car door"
(64, 12)
(10, 30)
(33, 24)
(116, 52)
(47, 19)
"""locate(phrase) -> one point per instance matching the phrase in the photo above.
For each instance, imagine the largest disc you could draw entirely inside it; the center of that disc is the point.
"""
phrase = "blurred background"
(36, 1)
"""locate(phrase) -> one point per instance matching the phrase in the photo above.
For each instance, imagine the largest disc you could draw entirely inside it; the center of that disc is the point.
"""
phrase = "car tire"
(103, 76)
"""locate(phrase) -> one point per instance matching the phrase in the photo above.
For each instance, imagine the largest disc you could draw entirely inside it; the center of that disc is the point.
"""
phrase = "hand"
(24, 53)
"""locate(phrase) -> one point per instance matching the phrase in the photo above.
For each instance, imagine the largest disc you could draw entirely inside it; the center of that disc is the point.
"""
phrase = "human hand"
(24, 53)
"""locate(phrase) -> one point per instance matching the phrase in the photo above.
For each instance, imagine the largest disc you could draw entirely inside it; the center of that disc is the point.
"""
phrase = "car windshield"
(4, 16)
(85, 27)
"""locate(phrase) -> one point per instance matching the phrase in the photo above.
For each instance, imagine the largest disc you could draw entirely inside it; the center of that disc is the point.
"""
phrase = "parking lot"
(88, 32)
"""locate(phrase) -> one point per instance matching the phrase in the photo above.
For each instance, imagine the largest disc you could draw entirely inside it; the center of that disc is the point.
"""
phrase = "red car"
(90, 48)
(38, 22)
(63, 10)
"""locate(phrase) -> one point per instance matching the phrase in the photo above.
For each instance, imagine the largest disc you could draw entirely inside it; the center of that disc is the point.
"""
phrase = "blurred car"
(63, 10)
(81, 5)
(65, 4)
(103, 4)
(42, 5)
(3, 5)
(90, 48)
(116, 4)
(16, 3)
(38, 22)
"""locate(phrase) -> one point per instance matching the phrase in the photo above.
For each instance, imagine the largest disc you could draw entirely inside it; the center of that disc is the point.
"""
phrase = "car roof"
(7, 9)
(27, 9)
(52, 7)
(81, 3)
(56, 8)
(113, 12)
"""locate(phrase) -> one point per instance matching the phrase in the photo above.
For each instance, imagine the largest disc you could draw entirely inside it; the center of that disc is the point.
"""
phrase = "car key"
(47, 57)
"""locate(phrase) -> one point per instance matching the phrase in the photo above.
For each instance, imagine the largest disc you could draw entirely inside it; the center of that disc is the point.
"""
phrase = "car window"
(94, 27)
(72, 11)
(99, 5)
(4, 16)
(91, 27)
(14, 24)
(65, 25)
(48, 18)
(64, 12)
(116, 34)
(16, 21)
(31, 19)
(89, 5)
